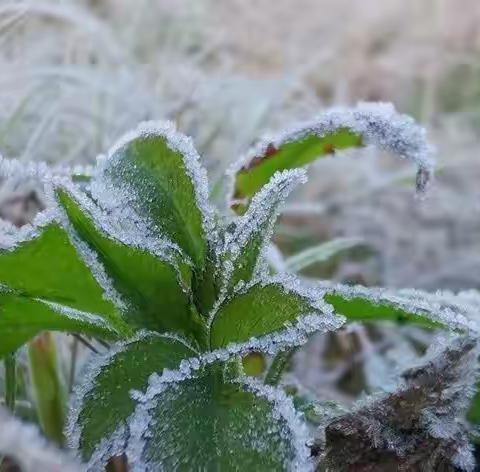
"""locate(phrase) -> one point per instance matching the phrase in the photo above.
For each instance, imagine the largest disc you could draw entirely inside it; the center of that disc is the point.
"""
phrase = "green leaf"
(47, 286)
(104, 402)
(151, 285)
(252, 231)
(159, 172)
(320, 253)
(290, 154)
(437, 310)
(50, 268)
(365, 309)
(207, 423)
(21, 318)
(336, 129)
(260, 310)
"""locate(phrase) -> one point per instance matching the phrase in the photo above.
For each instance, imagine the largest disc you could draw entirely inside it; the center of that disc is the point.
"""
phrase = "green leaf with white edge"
(336, 129)
(267, 308)
(437, 310)
(252, 231)
(21, 318)
(157, 170)
(289, 155)
(206, 422)
(50, 268)
(47, 286)
(320, 253)
(102, 403)
(151, 286)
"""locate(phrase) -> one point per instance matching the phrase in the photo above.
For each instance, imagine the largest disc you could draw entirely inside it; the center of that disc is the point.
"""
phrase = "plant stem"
(10, 381)
(279, 364)
(47, 386)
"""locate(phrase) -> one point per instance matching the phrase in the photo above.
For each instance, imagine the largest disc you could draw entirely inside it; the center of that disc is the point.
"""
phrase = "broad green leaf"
(208, 423)
(106, 403)
(320, 253)
(49, 267)
(290, 154)
(160, 173)
(21, 318)
(261, 310)
(150, 284)
(252, 231)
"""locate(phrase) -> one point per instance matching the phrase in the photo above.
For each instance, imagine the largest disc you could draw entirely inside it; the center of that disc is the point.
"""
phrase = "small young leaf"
(157, 171)
(252, 231)
(265, 308)
(204, 422)
(102, 403)
(152, 286)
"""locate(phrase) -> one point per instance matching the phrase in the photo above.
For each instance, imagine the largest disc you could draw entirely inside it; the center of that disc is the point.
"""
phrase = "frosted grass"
(24, 443)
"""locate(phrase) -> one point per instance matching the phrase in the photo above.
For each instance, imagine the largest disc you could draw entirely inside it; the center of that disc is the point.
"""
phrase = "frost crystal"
(11, 236)
(40, 170)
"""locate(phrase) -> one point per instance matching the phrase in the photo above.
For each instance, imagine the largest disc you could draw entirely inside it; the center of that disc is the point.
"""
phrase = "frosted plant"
(138, 256)
(416, 427)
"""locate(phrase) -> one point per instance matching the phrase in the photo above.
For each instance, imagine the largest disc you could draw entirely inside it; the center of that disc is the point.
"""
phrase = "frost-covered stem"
(48, 389)
(278, 366)
(10, 381)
